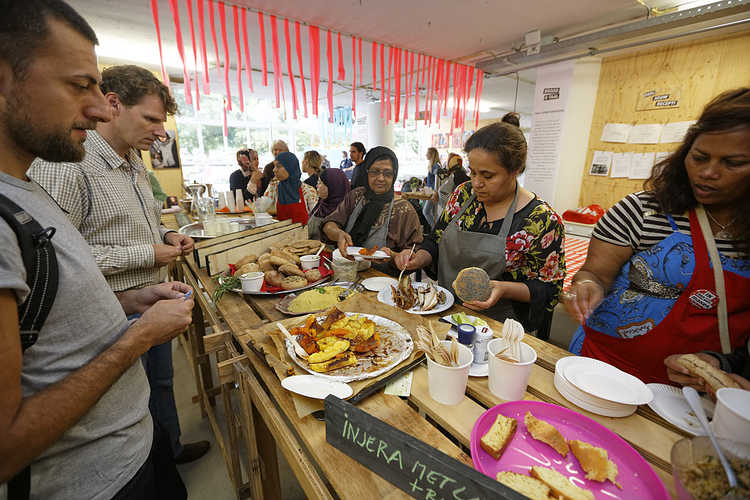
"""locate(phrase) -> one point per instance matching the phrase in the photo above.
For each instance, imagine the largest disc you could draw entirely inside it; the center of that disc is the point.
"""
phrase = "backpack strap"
(40, 261)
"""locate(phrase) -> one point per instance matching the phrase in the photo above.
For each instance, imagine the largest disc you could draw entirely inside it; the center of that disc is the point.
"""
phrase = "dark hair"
(268, 171)
(244, 152)
(132, 83)
(669, 182)
(503, 140)
(359, 147)
(313, 159)
(24, 27)
(513, 118)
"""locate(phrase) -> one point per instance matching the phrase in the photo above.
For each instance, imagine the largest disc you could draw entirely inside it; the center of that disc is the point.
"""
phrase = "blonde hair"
(434, 157)
(313, 159)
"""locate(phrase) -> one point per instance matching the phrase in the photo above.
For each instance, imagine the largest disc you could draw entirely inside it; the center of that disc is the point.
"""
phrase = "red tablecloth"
(575, 255)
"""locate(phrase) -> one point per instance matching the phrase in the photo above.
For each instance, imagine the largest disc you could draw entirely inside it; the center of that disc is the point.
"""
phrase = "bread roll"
(247, 259)
(280, 254)
(712, 375)
(247, 268)
(274, 278)
(313, 275)
(293, 282)
(291, 270)
(471, 284)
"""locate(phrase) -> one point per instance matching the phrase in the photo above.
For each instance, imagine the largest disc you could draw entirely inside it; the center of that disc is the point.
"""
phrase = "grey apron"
(461, 249)
(314, 224)
(378, 236)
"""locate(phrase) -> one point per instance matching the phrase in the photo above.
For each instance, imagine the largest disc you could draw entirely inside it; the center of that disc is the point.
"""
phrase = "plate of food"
(314, 300)
(670, 404)
(546, 450)
(367, 253)
(417, 298)
(344, 347)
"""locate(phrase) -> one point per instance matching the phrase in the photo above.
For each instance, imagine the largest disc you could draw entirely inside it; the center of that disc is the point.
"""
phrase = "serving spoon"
(694, 401)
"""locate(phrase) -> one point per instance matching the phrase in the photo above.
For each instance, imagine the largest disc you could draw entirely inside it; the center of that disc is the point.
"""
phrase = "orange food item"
(224, 210)
(370, 251)
(339, 332)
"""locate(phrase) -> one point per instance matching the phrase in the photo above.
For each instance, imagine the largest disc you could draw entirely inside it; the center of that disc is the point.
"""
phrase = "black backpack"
(40, 261)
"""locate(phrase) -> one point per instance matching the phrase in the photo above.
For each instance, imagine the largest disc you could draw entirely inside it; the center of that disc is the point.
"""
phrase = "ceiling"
(458, 30)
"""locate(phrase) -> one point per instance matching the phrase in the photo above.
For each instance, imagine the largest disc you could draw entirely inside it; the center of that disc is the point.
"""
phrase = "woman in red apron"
(290, 200)
(648, 288)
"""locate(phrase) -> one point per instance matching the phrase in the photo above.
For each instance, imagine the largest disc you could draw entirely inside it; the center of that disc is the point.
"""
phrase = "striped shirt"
(109, 200)
(638, 222)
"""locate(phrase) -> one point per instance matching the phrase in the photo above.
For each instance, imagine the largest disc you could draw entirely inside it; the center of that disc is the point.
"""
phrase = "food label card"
(401, 386)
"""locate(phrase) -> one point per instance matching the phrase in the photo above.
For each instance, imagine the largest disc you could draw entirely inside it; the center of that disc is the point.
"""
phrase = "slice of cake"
(546, 433)
(560, 485)
(525, 485)
(595, 461)
(498, 436)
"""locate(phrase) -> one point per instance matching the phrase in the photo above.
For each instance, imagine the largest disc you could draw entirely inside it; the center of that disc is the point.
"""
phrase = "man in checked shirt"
(108, 198)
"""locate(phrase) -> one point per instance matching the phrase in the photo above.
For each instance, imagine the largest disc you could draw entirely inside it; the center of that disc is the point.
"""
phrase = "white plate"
(316, 387)
(670, 404)
(574, 391)
(479, 370)
(354, 252)
(621, 411)
(386, 297)
(392, 326)
(607, 382)
(378, 283)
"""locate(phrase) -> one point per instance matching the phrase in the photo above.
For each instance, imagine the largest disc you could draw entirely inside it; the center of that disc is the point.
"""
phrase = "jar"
(466, 334)
(482, 337)
(344, 270)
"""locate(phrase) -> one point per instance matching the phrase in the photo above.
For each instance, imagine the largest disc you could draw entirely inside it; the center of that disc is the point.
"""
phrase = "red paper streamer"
(374, 66)
(446, 88)
(298, 46)
(263, 57)
(410, 68)
(248, 66)
(469, 80)
(288, 43)
(382, 81)
(222, 18)
(181, 50)
(155, 15)
(225, 129)
(276, 62)
(437, 88)
(429, 89)
(211, 22)
(329, 56)
(478, 94)
(342, 73)
(397, 76)
(195, 54)
(354, 77)
(314, 35)
(359, 44)
(202, 32)
(390, 85)
(236, 20)
(416, 88)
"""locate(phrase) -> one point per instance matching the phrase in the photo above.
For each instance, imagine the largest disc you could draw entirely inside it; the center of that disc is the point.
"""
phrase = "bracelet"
(589, 281)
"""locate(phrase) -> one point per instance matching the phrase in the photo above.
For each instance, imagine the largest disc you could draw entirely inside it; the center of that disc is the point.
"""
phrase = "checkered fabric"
(575, 255)
(109, 200)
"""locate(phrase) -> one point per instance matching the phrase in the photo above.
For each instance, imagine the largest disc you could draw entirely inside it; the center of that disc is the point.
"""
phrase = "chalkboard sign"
(409, 464)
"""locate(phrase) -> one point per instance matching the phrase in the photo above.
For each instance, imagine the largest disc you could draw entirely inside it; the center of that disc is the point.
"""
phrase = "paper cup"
(508, 380)
(310, 262)
(447, 384)
(732, 415)
(252, 282)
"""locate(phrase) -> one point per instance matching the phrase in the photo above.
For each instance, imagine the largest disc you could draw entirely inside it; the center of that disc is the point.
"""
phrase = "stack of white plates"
(599, 387)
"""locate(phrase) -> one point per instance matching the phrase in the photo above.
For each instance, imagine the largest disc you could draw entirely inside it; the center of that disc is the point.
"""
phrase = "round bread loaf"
(293, 282)
(471, 284)
(247, 268)
(273, 278)
(313, 275)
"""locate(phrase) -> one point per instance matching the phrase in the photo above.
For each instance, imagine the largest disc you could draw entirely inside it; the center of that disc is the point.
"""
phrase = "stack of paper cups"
(222, 200)
(230, 201)
(239, 200)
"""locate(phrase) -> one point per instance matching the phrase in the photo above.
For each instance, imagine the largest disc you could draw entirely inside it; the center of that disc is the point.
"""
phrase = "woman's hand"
(496, 294)
(582, 299)
(343, 242)
(679, 375)
(322, 190)
(420, 258)
(252, 186)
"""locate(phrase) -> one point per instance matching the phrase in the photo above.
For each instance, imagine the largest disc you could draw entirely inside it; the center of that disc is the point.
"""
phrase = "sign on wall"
(652, 99)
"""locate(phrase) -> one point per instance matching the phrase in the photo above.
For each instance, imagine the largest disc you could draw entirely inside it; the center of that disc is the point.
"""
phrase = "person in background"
(513, 118)
(333, 186)
(292, 198)
(108, 198)
(326, 164)
(74, 419)
(359, 173)
(647, 289)
(455, 175)
(492, 222)
(433, 165)
(261, 181)
(311, 165)
(279, 146)
(345, 162)
(371, 216)
(247, 159)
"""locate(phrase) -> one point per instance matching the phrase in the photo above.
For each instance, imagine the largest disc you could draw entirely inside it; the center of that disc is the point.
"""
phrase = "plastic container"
(482, 337)
(732, 415)
(466, 334)
(344, 270)
(447, 384)
(310, 262)
(252, 282)
(508, 380)
(689, 451)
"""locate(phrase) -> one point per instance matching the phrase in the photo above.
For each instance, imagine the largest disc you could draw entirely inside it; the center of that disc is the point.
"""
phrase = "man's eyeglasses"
(386, 174)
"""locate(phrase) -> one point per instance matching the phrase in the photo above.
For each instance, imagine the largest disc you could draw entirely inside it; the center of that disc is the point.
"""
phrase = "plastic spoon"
(695, 404)
(322, 246)
(297, 348)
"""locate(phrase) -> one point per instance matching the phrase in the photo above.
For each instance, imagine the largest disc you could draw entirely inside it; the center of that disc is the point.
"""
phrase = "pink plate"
(637, 478)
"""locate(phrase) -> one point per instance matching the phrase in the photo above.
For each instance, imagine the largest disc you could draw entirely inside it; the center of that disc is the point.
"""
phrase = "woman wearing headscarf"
(333, 186)
(292, 199)
(455, 175)
(371, 216)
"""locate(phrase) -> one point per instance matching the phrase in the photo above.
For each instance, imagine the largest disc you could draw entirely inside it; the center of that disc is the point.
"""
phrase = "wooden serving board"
(219, 261)
(227, 241)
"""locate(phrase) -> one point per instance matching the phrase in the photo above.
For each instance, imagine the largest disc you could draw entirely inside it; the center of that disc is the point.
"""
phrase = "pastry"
(274, 278)
(528, 486)
(250, 267)
(247, 259)
(712, 375)
(497, 438)
(559, 484)
(293, 282)
(291, 270)
(313, 275)
(595, 462)
(471, 284)
(546, 433)
(280, 254)
(266, 266)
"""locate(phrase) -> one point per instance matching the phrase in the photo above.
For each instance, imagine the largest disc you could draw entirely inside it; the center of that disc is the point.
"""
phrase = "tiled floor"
(207, 477)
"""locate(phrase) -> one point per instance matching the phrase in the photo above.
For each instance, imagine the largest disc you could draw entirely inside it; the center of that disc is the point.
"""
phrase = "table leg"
(268, 459)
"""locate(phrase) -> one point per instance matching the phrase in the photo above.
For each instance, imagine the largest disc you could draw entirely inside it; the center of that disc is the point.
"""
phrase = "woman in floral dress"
(523, 253)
